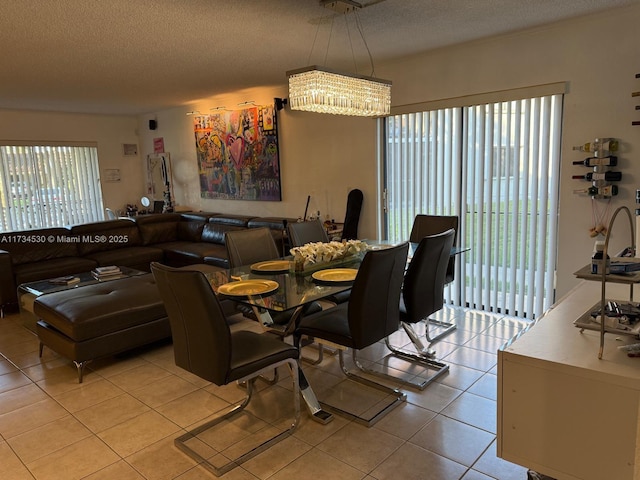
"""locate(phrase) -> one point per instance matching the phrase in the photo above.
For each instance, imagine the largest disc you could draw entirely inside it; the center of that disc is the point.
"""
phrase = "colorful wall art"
(238, 154)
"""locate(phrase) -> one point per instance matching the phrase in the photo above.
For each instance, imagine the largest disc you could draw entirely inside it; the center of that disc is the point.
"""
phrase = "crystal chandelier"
(317, 89)
(321, 90)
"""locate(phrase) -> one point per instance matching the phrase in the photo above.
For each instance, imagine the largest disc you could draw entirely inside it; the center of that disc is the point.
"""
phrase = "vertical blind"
(496, 166)
(48, 185)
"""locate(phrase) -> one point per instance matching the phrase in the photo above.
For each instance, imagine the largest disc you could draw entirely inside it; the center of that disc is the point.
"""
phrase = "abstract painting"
(238, 154)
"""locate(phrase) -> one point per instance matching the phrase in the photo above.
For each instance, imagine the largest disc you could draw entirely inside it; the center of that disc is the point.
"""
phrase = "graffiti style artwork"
(238, 154)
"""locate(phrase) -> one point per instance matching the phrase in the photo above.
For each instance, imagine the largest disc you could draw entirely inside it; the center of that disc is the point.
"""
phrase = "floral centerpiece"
(312, 256)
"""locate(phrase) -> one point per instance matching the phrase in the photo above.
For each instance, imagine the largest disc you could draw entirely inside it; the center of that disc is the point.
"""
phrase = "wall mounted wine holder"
(636, 94)
(603, 150)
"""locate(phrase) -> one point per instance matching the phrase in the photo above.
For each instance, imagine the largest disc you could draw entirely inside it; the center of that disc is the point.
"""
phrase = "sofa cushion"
(55, 267)
(188, 253)
(37, 245)
(190, 230)
(109, 235)
(274, 223)
(222, 262)
(237, 220)
(198, 216)
(157, 228)
(134, 257)
(214, 232)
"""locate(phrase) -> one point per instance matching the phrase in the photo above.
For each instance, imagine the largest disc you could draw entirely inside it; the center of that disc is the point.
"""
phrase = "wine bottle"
(608, 161)
(606, 176)
(588, 191)
(609, 144)
(606, 191)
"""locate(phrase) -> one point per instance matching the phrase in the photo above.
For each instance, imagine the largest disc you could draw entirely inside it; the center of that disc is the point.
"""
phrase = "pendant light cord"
(353, 55)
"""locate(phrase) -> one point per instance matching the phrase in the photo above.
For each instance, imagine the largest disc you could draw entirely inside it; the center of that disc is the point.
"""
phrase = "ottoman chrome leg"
(80, 367)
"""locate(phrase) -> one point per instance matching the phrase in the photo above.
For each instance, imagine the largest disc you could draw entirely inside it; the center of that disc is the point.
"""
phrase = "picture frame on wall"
(238, 154)
(129, 149)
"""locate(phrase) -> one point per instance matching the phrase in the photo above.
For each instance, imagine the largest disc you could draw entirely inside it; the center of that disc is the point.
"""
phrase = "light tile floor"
(120, 423)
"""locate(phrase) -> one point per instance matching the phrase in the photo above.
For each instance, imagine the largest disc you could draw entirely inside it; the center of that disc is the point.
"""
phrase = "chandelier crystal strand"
(314, 89)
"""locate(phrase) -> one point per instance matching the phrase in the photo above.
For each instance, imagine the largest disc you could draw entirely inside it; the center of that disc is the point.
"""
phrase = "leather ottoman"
(98, 320)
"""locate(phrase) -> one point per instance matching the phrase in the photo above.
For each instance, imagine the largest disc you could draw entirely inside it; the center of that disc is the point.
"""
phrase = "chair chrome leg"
(181, 441)
(417, 343)
(321, 347)
(429, 363)
(398, 396)
(448, 328)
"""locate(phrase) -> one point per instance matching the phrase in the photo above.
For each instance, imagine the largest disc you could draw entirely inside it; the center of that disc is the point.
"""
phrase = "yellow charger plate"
(335, 275)
(242, 288)
(271, 266)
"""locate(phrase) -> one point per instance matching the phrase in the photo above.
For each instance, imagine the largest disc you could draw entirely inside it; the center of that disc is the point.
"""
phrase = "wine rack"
(636, 94)
(604, 156)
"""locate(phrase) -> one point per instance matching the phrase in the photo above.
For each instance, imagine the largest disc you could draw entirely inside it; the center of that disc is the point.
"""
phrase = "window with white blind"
(495, 165)
(48, 186)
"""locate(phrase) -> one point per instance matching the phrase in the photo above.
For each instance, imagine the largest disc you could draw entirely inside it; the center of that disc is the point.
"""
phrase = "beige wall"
(323, 156)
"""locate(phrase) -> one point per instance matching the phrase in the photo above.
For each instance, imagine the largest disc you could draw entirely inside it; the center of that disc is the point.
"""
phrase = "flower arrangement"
(322, 252)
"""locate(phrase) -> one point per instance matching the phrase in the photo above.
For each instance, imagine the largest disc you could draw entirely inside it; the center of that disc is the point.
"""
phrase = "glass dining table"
(273, 287)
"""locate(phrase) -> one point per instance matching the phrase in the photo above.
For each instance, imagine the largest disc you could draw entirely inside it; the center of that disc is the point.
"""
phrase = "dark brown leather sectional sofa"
(176, 239)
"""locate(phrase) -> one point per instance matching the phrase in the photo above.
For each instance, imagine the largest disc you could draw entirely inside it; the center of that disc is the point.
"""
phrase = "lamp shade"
(316, 89)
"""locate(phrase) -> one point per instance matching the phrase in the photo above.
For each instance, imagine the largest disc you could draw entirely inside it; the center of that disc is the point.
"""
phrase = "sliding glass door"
(496, 166)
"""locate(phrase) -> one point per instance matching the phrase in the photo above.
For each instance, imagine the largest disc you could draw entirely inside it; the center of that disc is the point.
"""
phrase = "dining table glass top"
(276, 285)
(281, 290)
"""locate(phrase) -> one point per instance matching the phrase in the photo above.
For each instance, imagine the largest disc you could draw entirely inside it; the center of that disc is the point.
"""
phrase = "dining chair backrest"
(201, 335)
(425, 225)
(250, 245)
(352, 215)
(373, 310)
(424, 280)
(301, 233)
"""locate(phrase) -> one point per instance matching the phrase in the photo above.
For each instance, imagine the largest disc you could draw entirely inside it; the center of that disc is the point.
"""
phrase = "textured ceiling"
(140, 56)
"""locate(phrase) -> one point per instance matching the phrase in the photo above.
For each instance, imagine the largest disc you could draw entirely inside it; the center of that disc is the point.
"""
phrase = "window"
(48, 186)
(495, 165)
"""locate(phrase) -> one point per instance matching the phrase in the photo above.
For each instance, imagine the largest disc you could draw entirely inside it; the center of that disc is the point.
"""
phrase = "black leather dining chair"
(301, 233)
(423, 295)
(371, 314)
(252, 245)
(424, 225)
(204, 345)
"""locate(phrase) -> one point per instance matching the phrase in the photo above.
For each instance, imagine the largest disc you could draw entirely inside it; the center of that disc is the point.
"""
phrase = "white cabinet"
(562, 411)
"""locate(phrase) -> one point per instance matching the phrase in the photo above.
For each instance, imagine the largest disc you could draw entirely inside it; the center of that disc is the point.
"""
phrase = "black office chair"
(301, 233)
(423, 295)
(370, 315)
(425, 225)
(252, 245)
(352, 216)
(204, 346)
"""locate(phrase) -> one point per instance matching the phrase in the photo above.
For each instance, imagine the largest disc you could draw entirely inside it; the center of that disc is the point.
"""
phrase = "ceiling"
(140, 56)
